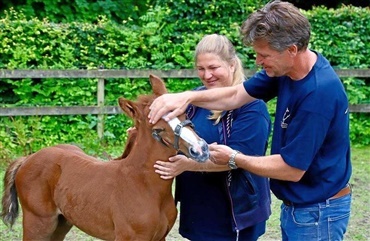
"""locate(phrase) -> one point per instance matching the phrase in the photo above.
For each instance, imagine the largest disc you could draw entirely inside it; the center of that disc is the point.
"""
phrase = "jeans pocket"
(305, 216)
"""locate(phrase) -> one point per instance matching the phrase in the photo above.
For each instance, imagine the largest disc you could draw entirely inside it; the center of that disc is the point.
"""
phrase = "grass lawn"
(358, 228)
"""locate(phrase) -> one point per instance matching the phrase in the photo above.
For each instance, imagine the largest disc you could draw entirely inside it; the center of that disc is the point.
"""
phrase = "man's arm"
(272, 166)
(172, 105)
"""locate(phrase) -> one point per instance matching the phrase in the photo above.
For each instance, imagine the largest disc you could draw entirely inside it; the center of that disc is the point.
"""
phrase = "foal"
(124, 199)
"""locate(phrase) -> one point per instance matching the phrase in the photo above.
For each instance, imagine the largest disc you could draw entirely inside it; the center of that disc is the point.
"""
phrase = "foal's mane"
(145, 100)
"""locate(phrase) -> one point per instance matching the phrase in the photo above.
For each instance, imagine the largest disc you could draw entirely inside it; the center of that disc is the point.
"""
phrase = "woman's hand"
(174, 167)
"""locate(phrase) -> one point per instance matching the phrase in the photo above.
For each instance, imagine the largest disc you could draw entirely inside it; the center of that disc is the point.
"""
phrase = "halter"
(177, 132)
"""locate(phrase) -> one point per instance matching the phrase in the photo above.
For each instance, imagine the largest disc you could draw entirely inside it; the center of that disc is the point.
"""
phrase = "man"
(309, 165)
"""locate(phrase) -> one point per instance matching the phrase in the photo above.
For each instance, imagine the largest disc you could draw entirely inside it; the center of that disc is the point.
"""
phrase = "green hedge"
(163, 38)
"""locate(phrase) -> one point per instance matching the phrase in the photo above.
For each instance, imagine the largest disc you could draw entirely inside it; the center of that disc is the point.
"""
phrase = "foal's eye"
(155, 133)
(158, 130)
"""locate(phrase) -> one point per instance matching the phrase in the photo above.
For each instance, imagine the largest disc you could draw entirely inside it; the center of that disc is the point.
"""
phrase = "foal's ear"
(158, 86)
(128, 106)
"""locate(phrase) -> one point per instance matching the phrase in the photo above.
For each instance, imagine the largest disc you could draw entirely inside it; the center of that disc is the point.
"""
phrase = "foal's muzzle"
(200, 151)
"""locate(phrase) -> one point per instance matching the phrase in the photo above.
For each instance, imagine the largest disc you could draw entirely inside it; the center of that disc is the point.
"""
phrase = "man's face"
(275, 63)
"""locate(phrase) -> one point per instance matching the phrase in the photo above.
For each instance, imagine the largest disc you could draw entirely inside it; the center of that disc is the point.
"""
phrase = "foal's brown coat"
(124, 199)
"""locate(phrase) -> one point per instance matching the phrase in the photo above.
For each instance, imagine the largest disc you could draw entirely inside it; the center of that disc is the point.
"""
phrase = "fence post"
(100, 124)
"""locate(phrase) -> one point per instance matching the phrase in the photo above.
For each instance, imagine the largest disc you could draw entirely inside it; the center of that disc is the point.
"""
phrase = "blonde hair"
(221, 46)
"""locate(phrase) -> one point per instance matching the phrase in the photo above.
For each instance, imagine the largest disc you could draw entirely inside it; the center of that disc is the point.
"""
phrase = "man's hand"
(220, 154)
(168, 106)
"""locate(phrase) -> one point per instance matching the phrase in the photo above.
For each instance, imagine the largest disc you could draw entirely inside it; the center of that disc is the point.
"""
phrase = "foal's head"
(177, 134)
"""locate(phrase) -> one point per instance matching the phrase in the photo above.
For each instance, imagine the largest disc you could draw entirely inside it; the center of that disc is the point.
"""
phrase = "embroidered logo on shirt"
(286, 115)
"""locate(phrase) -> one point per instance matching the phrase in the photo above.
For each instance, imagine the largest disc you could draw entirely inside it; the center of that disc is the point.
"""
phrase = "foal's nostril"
(193, 152)
(200, 152)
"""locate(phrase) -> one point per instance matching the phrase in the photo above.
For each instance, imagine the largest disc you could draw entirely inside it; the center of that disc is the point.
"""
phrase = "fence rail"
(102, 74)
(106, 110)
(124, 73)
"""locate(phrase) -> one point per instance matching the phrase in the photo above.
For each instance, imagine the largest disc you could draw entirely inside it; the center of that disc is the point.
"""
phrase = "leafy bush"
(78, 10)
(163, 38)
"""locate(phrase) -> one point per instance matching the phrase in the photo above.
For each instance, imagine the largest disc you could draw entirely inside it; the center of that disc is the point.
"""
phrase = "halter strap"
(177, 131)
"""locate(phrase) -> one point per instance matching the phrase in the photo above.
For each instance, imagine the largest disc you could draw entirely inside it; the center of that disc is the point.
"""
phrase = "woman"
(222, 202)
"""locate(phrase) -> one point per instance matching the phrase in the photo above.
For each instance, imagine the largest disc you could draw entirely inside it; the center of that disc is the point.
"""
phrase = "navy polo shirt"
(311, 131)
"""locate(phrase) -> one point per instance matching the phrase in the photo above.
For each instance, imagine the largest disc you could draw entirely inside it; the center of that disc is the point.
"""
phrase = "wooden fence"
(102, 74)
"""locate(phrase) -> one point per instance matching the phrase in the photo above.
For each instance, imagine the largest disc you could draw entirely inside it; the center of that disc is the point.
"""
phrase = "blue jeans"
(317, 222)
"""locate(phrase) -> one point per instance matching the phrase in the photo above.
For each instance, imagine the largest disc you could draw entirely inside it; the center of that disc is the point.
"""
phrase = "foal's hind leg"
(37, 227)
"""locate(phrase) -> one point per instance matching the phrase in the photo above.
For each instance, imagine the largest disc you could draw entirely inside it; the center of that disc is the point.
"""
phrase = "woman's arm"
(180, 163)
